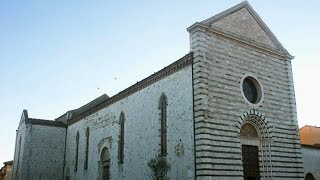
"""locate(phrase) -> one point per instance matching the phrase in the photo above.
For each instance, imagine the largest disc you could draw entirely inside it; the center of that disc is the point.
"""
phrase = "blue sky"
(58, 55)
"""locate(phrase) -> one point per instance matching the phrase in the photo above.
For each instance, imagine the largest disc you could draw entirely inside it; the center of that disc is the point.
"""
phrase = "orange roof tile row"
(310, 135)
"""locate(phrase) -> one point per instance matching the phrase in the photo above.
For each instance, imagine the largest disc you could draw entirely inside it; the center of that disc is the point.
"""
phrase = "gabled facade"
(226, 110)
(236, 57)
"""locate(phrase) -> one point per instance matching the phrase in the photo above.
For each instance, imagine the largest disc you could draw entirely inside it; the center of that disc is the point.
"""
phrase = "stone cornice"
(171, 69)
(258, 46)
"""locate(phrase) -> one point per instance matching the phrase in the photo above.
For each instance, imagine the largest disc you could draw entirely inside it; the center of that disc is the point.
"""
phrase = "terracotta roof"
(310, 136)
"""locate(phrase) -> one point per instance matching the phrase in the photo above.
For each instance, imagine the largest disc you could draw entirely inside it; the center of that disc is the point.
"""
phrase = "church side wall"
(219, 66)
(311, 161)
(46, 152)
(142, 133)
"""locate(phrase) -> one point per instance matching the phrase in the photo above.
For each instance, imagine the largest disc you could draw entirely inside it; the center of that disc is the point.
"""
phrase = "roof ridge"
(225, 12)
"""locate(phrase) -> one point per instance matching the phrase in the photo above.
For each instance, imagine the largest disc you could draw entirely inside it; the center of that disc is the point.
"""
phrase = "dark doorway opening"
(105, 160)
(250, 160)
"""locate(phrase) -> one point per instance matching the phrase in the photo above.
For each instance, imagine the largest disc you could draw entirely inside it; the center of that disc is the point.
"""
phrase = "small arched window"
(163, 125)
(77, 152)
(87, 149)
(121, 138)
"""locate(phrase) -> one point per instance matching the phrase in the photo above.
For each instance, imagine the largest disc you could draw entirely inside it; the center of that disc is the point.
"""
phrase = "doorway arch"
(255, 140)
(105, 162)
(250, 152)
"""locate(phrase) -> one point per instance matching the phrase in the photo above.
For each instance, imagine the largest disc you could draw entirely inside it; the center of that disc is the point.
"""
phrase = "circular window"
(251, 90)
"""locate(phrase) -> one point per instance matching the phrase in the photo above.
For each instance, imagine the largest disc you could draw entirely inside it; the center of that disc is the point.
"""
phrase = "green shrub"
(159, 167)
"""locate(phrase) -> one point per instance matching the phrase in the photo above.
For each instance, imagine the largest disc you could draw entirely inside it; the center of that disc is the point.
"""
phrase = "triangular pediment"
(243, 22)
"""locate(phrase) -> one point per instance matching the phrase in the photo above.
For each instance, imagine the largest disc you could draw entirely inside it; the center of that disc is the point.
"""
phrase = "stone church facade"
(226, 110)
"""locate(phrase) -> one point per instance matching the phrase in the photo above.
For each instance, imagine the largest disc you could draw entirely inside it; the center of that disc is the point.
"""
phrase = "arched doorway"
(255, 137)
(105, 161)
(250, 153)
(309, 176)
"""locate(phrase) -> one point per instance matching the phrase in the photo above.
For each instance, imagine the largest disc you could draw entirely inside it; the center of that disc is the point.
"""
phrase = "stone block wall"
(142, 132)
(21, 153)
(46, 152)
(40, 154)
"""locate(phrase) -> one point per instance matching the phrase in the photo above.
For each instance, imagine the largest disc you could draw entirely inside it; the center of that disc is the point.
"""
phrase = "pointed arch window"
(163, 125)
(77, 152)
(121, 138)
(87, 149)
